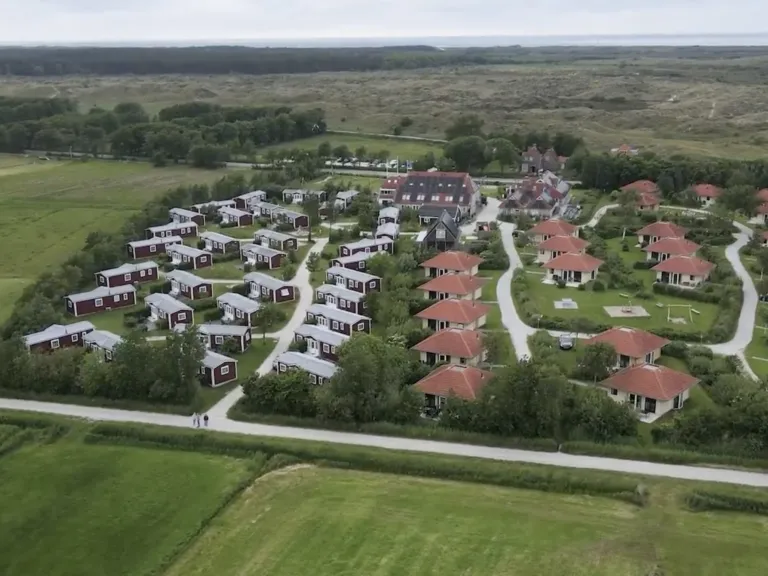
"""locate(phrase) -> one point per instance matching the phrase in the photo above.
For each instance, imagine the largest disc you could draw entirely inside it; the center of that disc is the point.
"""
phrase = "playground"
(618, 308)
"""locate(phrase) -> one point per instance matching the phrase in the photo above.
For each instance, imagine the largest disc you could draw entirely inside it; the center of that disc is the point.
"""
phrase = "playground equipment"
(681, 319)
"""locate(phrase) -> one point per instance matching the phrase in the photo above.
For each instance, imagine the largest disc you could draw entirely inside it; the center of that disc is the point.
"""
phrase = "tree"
(600, 418)
(597, 361)
(503, 151)
(361, 153)
(48, 139)
(266, 316)
(498, 347)
(312, 209)
(740, 199)
(208, 156)
(290, 393)
(342, 151)
(324, 149)
(465, 125)
(312, 261)
(130, 113)
(369, 384)
(18, 138)
(468, 152)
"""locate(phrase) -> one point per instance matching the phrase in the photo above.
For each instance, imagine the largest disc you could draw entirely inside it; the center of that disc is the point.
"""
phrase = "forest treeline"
(62, 61)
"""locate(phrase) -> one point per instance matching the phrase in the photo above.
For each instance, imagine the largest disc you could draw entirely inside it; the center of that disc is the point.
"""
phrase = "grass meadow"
(48, 208)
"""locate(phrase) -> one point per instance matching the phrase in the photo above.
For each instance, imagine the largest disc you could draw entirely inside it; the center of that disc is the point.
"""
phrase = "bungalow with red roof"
(464, 382)
(648, 202)
(762, 209)
(683, 271)
(650, 389)
(574, 269)
(633, 346)
(461, 286)
(557, 245)
(451, 262)
(647, 193)
(453, 313)
(706, 193)
(659, 230)
(549, 228)
(764, 239)
(452, 346)
(670, 247)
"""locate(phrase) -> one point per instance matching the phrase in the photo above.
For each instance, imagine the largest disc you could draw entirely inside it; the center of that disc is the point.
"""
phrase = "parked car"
(566, 341)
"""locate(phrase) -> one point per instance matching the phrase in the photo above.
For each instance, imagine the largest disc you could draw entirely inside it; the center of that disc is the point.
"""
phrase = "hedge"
(700, 501)
(427, 465)
(206, 304)
(688, 294)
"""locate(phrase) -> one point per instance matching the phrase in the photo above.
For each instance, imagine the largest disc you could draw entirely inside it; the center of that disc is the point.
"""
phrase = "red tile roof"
(663, 230)
(763, 194)
(650, 381)
(674, 246)
(453, 260)
(564, 244)
(460, 284)
(685, 265)
(466, 382)
(642, 186)
(706, 190)
(648, 199)
(456, 311)
(553, 228)
(765, 235)
(631, 342)
(453, 342)
(575, 262)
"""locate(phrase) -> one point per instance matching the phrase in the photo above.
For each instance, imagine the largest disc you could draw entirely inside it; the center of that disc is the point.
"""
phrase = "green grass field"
(74, 509)
(404, 149)
(48, 208)
(329, 522)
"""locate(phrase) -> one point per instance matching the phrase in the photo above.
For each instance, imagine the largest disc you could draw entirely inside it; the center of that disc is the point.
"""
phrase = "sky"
(180, 21)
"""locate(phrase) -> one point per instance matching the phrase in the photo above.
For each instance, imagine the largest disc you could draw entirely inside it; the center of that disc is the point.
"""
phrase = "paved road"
(518, 330)
(599, 214)
(406, 444)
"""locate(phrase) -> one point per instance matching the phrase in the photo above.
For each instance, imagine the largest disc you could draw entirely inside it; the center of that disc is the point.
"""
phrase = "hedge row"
(700, 501)
(376, 460)
(697, 295)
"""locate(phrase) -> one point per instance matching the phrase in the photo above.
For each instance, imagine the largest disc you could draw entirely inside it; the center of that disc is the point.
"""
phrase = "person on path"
(196, 420)
(205, 419)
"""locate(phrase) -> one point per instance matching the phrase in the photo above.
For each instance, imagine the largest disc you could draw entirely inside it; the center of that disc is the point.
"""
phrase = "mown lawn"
(489, 289)
(321, 522)
(74, 509)
(757, 349)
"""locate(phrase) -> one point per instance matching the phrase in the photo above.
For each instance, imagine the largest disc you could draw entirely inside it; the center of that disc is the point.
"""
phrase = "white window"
(125, 296)
(614, 392)
(283, 368)
(372, 284)
(335, 325)
(313, 378)
(127, 277)
(219, 339)
(238, 313)
(153, 248)
(435, 197)
(203, 289)
(55, 343)
(264, 290)
(442, 357)
(361, 265)
(108, 354)
(142, 273)
(361, 327)
(333, 349)
(182, 316)
(203, 259)
(440, 233)
(420, 198)
(98, 302)
(224, 370)
(75, 337)
(326, 348)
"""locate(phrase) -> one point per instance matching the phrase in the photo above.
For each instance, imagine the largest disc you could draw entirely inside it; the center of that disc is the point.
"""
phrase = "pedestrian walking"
(205, 419)
(196, 420)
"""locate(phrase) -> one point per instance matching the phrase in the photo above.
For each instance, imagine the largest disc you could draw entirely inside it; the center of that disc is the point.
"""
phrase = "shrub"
(201, 244)
(675, 349)
(598, 286)
(581, 287)
(213, 315)
(206, 304)
(695, 294)
(644, 264)
(700, 501)
(561, 283)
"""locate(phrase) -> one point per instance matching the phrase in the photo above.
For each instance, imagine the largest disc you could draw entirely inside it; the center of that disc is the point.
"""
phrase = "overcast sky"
(88, 21)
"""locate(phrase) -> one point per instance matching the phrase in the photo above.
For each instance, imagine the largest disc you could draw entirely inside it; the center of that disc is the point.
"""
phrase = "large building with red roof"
(549, 228)
(574, 269)
(706, 193)
(670, 247)
(650, 389)
(454, 313)
(449, 190)
(464, 382)
(633, 346)
(452, 346)
(683, 271)
(452, 262)
(557, 245)
(642, 187)
(461, 286)
(658, 230)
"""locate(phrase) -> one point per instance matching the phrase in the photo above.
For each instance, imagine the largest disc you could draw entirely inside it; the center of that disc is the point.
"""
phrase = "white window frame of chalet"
(75, 337)
(99, 302)
(127, 277)
(326, 348)
(153, 248)
(224, 370)
(142, 273)
(218, 339)
(55, 344)
(360, 326)
(335, 325)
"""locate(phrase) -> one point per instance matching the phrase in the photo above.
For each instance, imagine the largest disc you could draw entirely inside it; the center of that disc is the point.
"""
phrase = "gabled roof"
(339, 292)
(674, 246)
(642, 186)
(266, 280)
(350, 274)
(437, 210)
(184, 212)
(453, 342)
(387, 229)
(763, 194)
(308, 363)
(321, 334)
(367, 243)
(184, 277)
(273, 235)
(214, 359)
(223, 330)
(172, 226)
(648, 199)
(460, 284)
(347, 194)
(450, 188)
(389, 212)
(239, 302)
(213, 204)
(166, 303)
(650, 381)
(453, 260)
(101, 292)
(185, 250)
(465, 382)
(356, 257)
(259, 249)
(218, 237)
(252, 194)
(128, 269)
(706, 190)
(685, 265)
(563, 244)
(455, 311)
(663, 230)
(57, 331)
(232, 211)
(268, 206)
(155, 241)
(575, 262)
(103, 339)
(554, 227)
(336, 314)
(446, 221)
(631, 342)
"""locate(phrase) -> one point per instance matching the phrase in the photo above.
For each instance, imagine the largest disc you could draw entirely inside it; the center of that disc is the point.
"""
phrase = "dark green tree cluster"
(139, 371)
